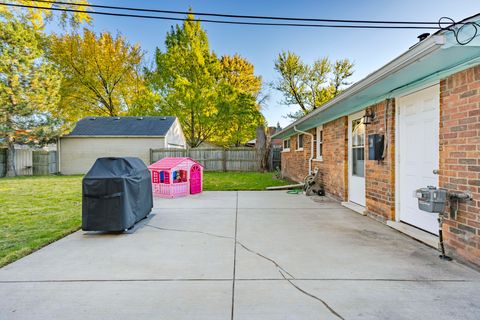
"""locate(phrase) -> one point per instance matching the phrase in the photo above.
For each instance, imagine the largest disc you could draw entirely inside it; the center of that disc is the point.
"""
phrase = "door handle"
(436, 171)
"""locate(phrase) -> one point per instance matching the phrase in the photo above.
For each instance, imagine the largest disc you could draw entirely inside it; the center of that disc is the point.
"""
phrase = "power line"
(223, 15)
(234, 22)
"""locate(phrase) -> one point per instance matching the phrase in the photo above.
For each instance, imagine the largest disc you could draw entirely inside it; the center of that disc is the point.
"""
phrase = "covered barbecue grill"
(117, 193)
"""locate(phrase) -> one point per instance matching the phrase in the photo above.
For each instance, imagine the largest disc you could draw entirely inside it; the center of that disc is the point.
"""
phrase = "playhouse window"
(162, 176)
(183, 175)
(179, 176)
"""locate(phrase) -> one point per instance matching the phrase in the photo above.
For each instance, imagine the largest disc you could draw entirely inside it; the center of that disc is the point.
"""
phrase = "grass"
(232, 181)
(36, 211)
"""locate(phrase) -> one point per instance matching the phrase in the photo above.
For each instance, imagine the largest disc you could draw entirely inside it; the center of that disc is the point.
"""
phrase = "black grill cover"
(116, 193)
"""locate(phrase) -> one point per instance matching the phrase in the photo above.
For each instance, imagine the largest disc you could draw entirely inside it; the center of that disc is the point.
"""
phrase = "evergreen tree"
(29, 85)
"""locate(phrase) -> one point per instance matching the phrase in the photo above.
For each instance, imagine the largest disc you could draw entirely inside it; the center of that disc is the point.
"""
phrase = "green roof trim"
(429, 61)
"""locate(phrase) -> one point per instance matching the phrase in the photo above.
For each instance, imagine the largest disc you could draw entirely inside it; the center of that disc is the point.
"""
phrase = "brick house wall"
(333, 167)
(295, 162)
(459, 154)
(334, 164)
(460, 160)
(380, 175)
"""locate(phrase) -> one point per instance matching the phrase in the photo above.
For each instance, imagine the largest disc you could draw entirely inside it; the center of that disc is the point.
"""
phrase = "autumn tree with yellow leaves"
(101, 75)
(29, 82)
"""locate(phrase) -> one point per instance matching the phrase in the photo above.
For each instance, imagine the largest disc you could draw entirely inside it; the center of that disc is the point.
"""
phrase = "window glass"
(300, 141)
(358, 148)
(319, 142)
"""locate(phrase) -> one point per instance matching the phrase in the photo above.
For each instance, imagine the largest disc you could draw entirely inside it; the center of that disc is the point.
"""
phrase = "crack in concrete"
(227, 237)
(190, 231)
(313, 296)
(280, 269)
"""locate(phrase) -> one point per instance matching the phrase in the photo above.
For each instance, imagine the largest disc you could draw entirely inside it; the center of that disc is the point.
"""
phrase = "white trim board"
(417, 234)
(355, 207)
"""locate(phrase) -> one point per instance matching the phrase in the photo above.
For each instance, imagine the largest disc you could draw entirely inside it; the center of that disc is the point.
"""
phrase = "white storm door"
(356, 159)
(418, 155)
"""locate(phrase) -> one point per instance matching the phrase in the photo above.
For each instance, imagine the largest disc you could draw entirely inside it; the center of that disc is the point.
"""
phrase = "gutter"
(311, 149)
(420, 50)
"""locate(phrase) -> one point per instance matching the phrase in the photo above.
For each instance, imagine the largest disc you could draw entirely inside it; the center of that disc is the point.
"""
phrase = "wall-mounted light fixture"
(369, 116)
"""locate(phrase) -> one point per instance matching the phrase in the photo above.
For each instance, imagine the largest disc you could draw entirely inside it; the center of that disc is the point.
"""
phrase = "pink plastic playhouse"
(176, 177)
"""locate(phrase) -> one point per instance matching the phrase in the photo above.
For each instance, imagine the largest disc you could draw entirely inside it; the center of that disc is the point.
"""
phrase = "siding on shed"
(78, 154)
(175, 137)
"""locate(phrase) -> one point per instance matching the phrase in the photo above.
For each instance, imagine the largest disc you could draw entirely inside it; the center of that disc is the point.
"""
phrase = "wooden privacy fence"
(217, 159)
(275, 159)
(44, 162)
(30, 162)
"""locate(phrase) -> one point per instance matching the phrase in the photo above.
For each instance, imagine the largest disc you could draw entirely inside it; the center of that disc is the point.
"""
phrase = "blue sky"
(369, 49)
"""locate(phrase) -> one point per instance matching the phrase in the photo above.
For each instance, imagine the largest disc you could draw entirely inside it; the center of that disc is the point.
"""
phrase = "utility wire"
(245, 16)
(233, 22)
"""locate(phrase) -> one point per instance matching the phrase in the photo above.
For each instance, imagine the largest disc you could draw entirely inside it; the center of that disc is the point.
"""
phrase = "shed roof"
(170, 162)
(122, 126)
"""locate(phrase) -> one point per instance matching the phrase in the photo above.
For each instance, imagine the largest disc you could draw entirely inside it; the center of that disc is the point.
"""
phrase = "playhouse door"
(195, 179)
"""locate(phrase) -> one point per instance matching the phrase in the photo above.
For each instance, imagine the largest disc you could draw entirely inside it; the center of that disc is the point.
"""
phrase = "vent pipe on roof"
(140, 118)
(117, 118)
(93, 118)
(423, 36)
(163, 118)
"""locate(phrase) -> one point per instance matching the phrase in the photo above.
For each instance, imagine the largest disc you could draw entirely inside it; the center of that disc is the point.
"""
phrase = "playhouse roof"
(170, 162)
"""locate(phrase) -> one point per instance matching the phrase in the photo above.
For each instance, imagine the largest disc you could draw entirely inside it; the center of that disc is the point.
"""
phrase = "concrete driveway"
(241, 255)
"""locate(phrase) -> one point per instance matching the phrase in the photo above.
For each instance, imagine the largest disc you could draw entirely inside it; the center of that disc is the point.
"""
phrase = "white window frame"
(319, 143)
(283, 145)
(298, 141)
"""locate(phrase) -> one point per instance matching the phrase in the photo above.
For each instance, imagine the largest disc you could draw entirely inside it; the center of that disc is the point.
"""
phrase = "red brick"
(459, 161)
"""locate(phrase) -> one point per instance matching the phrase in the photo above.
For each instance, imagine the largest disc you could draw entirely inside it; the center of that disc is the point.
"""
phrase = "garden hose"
(295, 191)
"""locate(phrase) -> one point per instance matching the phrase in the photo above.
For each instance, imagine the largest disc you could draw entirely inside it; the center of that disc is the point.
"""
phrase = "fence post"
(224, 160)
(151, 155)
(3, 162)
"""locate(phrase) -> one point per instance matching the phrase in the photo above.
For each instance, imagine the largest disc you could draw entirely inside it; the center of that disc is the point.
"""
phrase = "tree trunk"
(262, 147)
(11, 172)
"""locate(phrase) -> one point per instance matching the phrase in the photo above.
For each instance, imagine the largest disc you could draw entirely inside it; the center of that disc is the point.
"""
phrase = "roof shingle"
(123, 126)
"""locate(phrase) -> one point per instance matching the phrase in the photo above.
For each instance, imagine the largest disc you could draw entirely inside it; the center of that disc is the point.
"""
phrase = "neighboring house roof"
(170, 162)
(122, 126)
(430, 60)
(207, 145)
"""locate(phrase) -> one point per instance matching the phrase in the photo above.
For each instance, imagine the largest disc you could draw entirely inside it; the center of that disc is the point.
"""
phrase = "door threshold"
(355, 207)
(420, 235)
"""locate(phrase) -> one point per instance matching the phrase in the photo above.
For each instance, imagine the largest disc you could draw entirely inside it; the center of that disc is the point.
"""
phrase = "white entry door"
(419, 115)
(356, 159)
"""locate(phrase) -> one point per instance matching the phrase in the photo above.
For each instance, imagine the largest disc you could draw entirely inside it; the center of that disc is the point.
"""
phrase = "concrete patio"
(241, 255)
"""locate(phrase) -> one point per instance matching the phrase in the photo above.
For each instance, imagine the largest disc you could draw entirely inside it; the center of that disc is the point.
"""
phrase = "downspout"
(311, 149)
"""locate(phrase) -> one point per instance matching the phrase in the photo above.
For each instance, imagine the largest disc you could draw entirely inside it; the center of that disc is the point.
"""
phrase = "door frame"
(397, 142)
(351, 117)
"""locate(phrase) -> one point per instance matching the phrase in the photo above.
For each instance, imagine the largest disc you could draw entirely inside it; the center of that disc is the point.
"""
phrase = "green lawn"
(240, 181)
(35, 211)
